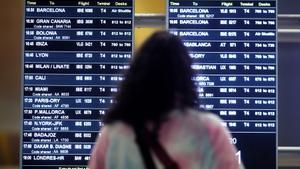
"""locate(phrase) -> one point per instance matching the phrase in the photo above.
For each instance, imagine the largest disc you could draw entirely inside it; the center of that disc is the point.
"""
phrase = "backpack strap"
(146, 141)
(144, 150)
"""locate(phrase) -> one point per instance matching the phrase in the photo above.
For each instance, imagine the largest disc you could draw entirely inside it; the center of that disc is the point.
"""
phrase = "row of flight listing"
(114, 34)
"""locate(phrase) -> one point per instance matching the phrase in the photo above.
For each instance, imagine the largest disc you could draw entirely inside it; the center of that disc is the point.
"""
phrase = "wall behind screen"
(289, 82)
(10, 68)
(10, 45)
(289, 92)
(288, 6)
(150, 6)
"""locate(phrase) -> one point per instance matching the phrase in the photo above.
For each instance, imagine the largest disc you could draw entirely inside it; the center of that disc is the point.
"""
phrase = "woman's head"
(159, 80)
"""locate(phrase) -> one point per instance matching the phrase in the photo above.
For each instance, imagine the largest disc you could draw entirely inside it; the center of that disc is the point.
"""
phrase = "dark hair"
(159, 79)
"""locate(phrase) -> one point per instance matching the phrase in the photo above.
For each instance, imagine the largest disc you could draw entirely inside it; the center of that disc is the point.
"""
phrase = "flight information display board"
(74, 55)
(233, 45)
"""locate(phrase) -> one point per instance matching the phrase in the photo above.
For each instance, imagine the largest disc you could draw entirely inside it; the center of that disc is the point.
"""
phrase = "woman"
(153, 124)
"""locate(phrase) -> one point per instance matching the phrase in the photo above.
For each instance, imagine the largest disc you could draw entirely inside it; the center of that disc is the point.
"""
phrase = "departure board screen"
(233, 45)
(74, 55)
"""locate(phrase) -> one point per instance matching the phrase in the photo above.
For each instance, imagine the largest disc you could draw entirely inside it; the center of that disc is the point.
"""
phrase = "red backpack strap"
(144, 149)
(160, 152)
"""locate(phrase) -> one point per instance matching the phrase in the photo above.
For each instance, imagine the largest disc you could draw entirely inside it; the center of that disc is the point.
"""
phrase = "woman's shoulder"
(205, 121)
(190, 119)
(118, 126)
(211, 118)
(204, 117)
(118, 130)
